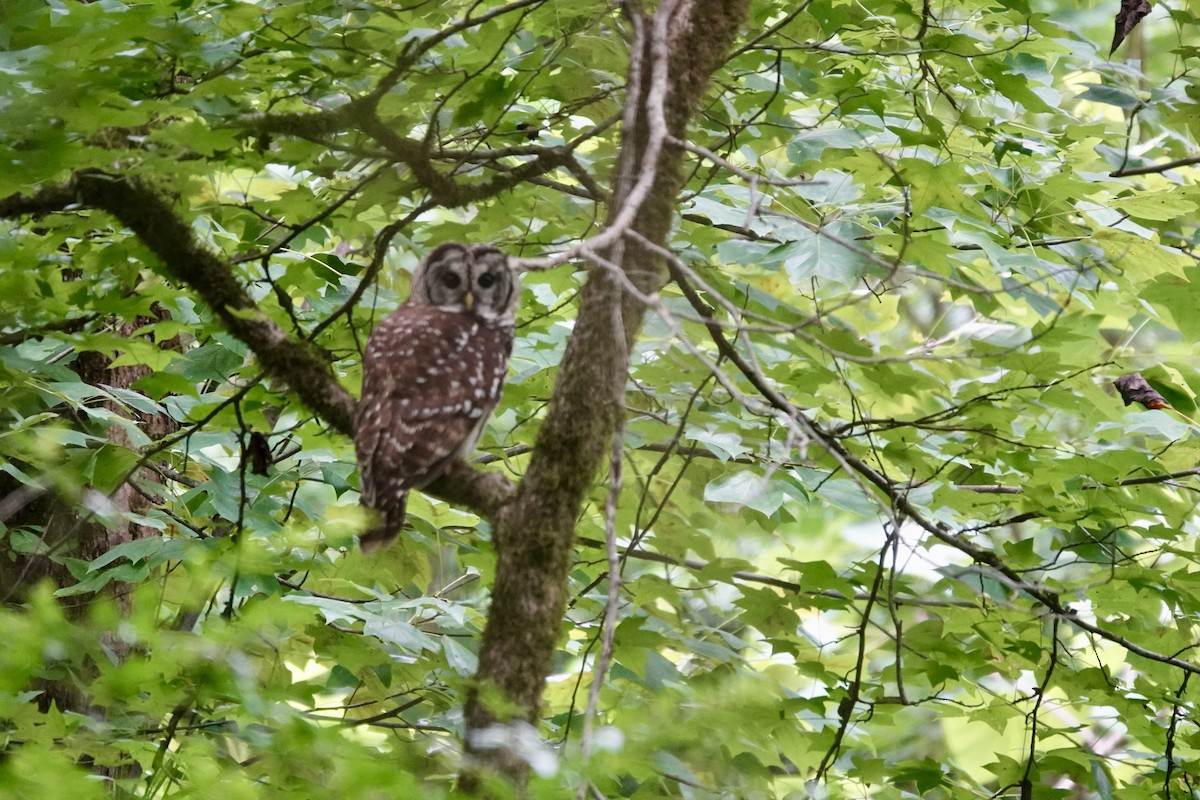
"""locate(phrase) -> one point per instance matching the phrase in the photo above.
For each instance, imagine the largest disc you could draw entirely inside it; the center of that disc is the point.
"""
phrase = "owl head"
(472, 279)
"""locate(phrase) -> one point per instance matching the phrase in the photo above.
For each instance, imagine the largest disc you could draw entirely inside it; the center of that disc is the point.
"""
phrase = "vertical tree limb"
(534, 532)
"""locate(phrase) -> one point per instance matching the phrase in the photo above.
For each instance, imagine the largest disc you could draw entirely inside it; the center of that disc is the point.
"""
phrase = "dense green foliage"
(964, 570)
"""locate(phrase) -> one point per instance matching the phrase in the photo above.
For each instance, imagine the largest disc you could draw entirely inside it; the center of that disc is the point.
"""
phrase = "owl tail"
(391, 522)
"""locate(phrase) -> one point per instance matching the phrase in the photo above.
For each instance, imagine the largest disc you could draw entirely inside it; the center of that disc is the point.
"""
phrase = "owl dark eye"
(451, 280)
(486, 280)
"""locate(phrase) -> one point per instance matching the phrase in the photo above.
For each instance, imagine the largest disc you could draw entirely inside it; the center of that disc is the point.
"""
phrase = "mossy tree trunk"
(534, 530)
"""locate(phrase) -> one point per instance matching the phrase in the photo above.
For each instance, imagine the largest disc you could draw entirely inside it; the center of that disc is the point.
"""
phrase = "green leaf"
(754, 491)
(1110, 95)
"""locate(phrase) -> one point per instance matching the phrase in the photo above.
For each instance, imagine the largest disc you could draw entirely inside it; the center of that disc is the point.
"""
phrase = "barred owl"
(432, 374)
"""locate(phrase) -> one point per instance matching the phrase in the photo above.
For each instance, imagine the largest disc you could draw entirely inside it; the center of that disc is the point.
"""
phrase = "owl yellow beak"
(469, 300)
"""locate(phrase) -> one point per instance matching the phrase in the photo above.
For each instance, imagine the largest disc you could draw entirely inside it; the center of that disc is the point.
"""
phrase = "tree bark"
(679, 48)
(66, 534)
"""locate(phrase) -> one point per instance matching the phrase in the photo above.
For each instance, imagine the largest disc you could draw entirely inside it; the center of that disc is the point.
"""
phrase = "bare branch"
(1155, 169)
(62, 326)
(1144, 480)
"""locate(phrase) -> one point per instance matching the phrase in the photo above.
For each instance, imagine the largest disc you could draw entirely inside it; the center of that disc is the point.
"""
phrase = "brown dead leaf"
(1132, 12)
(1134, 389)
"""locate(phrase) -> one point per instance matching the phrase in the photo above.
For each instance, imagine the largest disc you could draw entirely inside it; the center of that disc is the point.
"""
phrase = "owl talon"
(375, 540)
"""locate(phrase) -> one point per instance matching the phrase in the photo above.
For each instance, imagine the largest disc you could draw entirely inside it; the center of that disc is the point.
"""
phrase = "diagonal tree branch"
(299, 364)
(896, 496)
(444, 190)
(302, 366)
(1156, 169)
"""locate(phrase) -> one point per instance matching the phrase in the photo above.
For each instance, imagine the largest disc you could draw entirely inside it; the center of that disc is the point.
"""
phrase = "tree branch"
(1144, 480)
(674, 53)
(48, 200)
(62, 326)
(1155, 169)
(299, 364)
(897, 498)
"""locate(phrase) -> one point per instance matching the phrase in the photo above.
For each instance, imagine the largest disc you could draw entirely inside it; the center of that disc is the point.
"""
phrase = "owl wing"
(430, 380)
